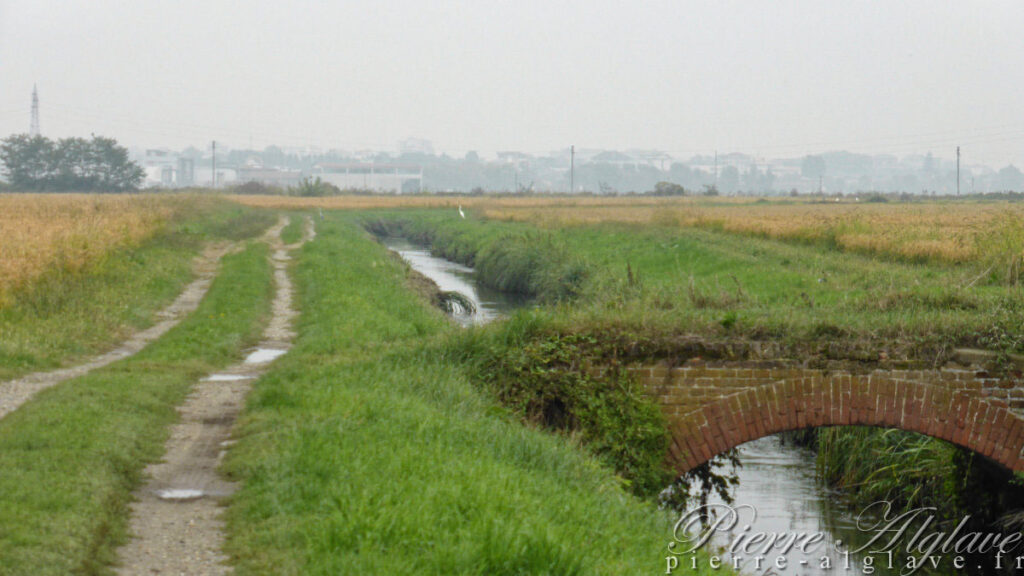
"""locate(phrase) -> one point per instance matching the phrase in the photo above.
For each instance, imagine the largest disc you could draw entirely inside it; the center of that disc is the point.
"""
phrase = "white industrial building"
(166, 169)
(393, 178)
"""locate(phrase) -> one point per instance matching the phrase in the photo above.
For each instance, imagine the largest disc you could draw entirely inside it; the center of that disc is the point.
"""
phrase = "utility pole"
(34, 126)
(716, 169)
(214, 165)
(957, 170)
(572, 168)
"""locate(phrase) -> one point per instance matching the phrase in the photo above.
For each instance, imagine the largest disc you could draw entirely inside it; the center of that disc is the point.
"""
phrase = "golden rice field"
(69, 232)
(945, 231)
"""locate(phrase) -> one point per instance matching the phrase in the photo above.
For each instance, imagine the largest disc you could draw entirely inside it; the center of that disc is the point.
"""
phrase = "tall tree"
(116, 171)
(28, 161)
(74, 165)
(37, 163)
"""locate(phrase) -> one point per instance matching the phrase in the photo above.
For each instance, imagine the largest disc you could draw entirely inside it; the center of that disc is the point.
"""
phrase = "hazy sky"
(772, 78)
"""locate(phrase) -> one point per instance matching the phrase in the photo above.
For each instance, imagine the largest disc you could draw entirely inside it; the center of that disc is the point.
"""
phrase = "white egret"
(461, 213)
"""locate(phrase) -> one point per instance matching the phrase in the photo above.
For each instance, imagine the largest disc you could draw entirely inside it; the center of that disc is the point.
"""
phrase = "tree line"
(36, 163)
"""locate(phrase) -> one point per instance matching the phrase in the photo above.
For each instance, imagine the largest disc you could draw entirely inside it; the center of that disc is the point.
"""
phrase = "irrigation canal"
(778, 492)
(451, 276)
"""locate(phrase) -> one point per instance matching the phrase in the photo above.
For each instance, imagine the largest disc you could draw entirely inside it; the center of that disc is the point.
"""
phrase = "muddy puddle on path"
(227, 378)
(264, 355)
(179, 494)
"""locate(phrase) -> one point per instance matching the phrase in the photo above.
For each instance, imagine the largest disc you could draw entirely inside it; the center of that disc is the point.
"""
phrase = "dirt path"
(14, 393)
(176, 523)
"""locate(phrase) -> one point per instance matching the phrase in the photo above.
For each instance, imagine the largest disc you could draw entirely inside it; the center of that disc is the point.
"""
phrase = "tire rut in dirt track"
(16, 392)
(176, 526)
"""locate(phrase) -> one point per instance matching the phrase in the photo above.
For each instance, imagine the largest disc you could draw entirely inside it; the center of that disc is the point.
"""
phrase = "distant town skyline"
(417, 167)
(775, 80)
(584, 153)
(397, 148)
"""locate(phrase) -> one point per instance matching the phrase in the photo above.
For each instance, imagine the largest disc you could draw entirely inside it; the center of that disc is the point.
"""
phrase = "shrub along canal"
(779, 492)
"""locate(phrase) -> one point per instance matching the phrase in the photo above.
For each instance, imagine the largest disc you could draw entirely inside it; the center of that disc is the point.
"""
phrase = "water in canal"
(452, 276)
(777, 480)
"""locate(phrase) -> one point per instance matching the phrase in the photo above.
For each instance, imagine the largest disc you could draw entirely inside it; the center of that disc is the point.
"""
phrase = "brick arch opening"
(951, 409)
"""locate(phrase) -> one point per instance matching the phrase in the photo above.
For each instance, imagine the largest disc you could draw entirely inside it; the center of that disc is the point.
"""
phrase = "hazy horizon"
(772, 80)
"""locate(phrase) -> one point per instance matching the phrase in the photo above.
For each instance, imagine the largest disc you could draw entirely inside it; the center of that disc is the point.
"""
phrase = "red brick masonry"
(714, 407)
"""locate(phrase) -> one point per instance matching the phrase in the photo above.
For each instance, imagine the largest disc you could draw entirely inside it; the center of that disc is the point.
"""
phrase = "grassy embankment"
(368, 450)
(642, 292)
(73, 454)
(83, 290)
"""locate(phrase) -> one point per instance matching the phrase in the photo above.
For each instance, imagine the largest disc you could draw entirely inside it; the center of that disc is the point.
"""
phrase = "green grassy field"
(73, 454)
(655, 283)
(368, 451)
(61, 319)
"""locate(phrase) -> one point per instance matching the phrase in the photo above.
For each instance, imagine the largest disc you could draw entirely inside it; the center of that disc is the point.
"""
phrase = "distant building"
(653, 158)
(186, 175)
(279, 178)
(225, 176)
(302, 151)
(161, 168)
(416, 146)
(614, 158)
(714, 166)
(364, 155)
(393, 178)
(629, 159)
(517, 159)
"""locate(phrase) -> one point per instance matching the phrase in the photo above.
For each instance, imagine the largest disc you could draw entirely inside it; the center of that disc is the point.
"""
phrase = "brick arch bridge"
(712, 407)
